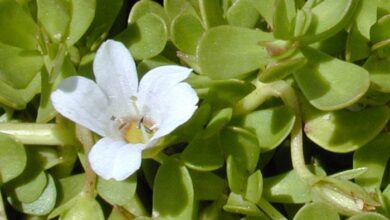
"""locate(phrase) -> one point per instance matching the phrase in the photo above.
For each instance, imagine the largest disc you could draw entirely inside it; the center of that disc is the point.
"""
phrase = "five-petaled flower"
(129, 117)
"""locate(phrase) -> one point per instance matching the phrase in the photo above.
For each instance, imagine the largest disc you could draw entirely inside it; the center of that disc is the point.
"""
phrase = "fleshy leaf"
(254, 187)
(203, 154)
(374, 156)
(231, 52)
(173, 195)
(379, 69)
(13, 158)
(207, 185)
(21, 30)
(237, 204)
(242, 14)
(329, 83)
(55, 18)
(117, 192)
(317, 210)
(271, 126)
(146, 37)
(41, 206)
(211, 13)
(329, 17)
(344, 130)
(82, 14)
(186, 32)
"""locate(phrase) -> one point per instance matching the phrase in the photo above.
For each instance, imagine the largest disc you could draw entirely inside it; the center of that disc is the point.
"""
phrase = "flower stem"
(86, 139)
(37, 134)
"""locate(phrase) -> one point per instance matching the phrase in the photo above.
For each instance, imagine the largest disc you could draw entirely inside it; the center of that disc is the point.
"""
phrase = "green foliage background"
(265, 71)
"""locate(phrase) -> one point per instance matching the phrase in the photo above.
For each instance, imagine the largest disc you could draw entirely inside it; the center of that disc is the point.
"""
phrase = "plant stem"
(273, 213)
(37, 134)
(257, 97)
(287, 93)
(86, 139)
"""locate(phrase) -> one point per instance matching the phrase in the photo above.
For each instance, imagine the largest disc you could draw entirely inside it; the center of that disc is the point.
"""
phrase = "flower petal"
(115, 159)
(160, 79)
(116, 74)
(174, 107)
(83, 102)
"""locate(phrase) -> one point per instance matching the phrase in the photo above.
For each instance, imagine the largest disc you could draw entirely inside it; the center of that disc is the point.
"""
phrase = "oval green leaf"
(328, 18)
(345, 131)
(146, 37)
(17, 27)
(374, 156)
(86, 207)
(237, 204)
(41, 206)
(329, 83)
(186, 32)
(318, 211)
(379, 69)
(271, 126)
(117, 192)
(82, 14)
(13, 158)
(55, 18)
(254, 187)
(203, 154)
(242, 14)
(231, 52)
(173, 194)
(207, 185)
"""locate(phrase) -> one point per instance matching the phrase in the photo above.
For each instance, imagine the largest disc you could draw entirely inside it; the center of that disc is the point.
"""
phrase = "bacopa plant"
(245, 109)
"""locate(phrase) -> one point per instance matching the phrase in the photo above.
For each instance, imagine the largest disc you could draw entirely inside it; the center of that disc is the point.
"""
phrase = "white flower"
(128, 116)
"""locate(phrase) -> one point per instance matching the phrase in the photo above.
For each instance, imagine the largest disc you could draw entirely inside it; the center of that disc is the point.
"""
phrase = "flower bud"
(347, 197)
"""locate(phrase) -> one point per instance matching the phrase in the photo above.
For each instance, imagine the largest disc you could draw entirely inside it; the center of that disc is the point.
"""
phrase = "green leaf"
(18, 98)
(231, 52)
(243, 14)
(13, 158)
(264, 7)
(41, 206)
(173, 194)
(288, 188)
(254, 187)
(374, 156)
(271, 126)
(144, 7)
(317, 210)
(284, 12)
(55, 17)
(218, 121)
(105, 14)
(176, 8)
(21, 30)
(345, 131)
(379, 69)
(329, 17)
(68, 191)
(117, 192)
(82, 14)
(18, 67)
(146, 37)
(380, 30)
(329, 83)
(211, 12)
(242, 145)
(207, 185)
(203, 154)
(359, 34)
(237, 204)
(186, 32)
(86, 207)
(368, 216)
(27, 187)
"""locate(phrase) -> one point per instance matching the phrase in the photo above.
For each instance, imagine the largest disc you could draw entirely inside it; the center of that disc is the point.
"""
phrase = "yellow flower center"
(136, 132)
